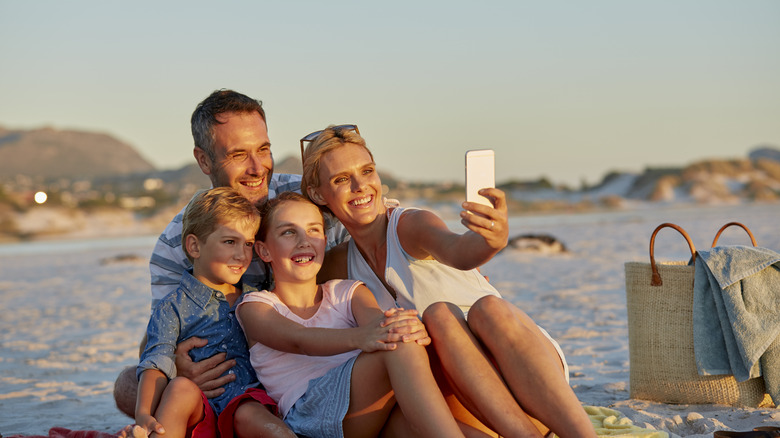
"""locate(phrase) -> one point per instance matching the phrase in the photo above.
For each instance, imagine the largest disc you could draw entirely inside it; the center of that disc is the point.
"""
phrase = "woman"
(501, 366)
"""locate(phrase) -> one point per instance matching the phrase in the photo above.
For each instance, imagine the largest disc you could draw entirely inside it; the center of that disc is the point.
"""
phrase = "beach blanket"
(61, 432)
(736, 314)
(612, 423)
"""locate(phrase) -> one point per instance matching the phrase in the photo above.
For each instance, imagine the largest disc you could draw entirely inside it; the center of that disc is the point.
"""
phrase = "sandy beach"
(74, 310)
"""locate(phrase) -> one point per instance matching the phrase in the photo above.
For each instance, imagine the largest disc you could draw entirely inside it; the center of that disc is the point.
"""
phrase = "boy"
(217, 237)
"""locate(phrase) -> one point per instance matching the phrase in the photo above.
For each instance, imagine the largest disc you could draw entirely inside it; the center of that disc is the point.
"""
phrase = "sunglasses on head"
(313, 136)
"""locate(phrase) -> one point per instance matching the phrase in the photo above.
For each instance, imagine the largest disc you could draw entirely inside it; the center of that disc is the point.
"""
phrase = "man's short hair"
(212, 207)
(204, 118)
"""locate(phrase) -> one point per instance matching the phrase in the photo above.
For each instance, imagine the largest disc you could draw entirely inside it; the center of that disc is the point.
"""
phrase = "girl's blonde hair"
(331, 138)
(209, 208)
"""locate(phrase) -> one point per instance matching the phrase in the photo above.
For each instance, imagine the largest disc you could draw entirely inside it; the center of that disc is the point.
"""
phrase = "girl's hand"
(490, 223)
(407, 326)
(395, 325)
(376, 336)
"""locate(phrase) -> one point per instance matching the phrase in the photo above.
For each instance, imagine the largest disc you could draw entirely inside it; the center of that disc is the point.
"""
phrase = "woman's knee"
(491, 316)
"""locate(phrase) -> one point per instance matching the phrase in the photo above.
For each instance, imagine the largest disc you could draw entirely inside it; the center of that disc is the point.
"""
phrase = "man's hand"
(206, 373)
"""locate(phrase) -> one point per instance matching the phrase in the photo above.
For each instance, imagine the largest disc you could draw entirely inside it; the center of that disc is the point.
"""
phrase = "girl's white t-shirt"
(286, 376)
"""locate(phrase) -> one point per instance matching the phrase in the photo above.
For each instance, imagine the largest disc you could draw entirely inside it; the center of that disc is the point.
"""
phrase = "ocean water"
(64, 246)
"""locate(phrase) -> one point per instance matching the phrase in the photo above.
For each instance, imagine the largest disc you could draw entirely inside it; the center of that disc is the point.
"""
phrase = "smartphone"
(480, 174)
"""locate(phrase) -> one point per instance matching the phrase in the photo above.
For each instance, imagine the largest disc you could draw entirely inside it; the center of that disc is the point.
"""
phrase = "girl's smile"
(295, 243)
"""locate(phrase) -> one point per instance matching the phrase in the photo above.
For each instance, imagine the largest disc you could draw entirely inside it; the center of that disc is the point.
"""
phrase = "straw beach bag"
(659, 297)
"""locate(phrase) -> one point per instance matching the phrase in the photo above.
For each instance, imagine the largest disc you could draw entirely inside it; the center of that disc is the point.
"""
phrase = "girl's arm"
(262, 323)
(424, 235)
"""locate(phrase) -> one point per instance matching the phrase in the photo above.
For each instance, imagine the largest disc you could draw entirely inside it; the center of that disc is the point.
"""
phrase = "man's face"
(243, 156)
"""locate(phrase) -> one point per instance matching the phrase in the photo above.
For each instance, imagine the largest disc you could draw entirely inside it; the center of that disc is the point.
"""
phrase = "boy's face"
(295, 244)
(223, 257)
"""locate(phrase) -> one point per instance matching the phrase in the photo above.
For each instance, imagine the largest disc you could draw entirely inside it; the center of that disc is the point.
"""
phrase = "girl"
(305, 341)
(503, 368)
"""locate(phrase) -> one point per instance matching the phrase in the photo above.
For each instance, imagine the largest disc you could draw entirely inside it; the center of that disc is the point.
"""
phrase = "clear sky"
(564, 89)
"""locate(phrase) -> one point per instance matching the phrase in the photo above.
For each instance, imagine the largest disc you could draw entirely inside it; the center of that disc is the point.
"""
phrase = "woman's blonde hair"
(209, 208)
(331, 138)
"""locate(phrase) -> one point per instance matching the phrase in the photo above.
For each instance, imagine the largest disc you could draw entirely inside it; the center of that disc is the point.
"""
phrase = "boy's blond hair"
(212, 207)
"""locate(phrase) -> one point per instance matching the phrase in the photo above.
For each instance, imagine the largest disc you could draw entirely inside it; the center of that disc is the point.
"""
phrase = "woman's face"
(350, 185)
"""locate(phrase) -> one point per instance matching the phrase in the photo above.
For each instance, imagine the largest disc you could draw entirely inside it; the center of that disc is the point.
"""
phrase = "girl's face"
(295, 244)
(223, 257)
(349, 185)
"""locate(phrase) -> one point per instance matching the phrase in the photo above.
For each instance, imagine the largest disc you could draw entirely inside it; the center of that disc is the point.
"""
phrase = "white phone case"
(480, 174)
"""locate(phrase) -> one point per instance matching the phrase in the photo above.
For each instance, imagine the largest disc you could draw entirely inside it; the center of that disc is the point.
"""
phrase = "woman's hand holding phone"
(489, 222)
(485, 207)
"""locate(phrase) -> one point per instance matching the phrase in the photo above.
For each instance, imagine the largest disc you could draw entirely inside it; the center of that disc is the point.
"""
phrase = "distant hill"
(289, 164)
(755, 178)
(51, 153)
(113, 166)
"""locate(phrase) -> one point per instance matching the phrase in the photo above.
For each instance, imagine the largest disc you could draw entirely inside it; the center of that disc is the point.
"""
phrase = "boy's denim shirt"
(195, 309)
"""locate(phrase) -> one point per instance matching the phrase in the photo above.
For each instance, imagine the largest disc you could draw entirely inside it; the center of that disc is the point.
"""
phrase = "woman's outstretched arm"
(424, 235)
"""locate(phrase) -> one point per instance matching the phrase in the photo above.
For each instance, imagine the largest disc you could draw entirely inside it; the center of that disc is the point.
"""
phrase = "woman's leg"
(530, 365)
(397, 426)
(471, 426)
(476, 381)
(180, 408)
(404, 375)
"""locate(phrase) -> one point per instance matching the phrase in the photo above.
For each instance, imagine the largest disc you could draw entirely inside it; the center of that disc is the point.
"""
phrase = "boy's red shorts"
(225, 421)
(207, 427)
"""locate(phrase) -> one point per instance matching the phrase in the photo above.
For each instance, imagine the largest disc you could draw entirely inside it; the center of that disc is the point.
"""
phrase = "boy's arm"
(150, 388)
(424, 235)
(162, 334)
(262, 323)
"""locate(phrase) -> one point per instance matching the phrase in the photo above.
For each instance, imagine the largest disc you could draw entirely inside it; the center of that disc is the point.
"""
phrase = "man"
(231, 147)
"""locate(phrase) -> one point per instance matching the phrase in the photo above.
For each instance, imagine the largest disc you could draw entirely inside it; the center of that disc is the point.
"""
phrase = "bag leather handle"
(656, 280)
(752, 239)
